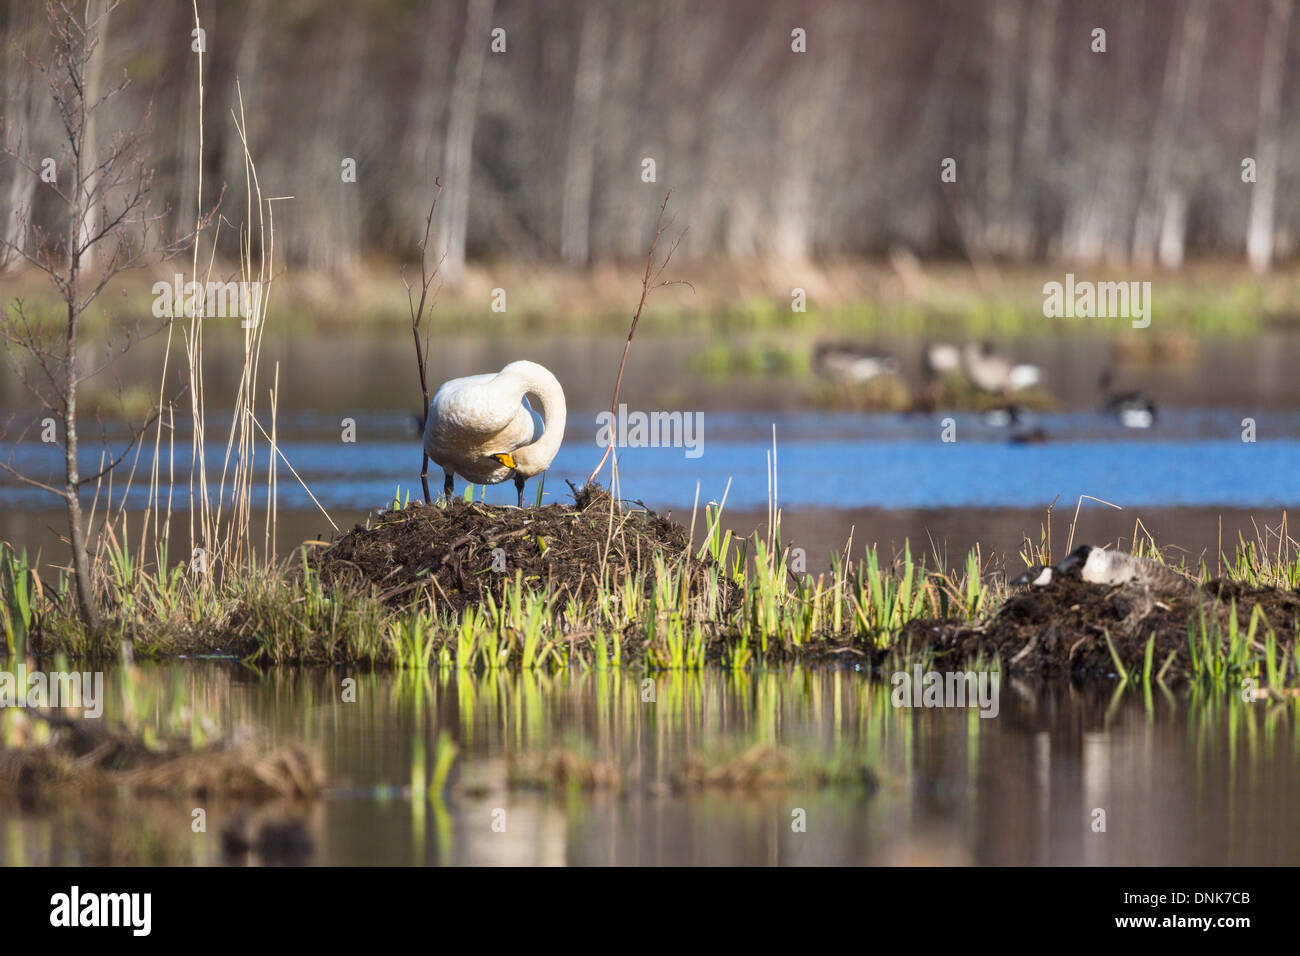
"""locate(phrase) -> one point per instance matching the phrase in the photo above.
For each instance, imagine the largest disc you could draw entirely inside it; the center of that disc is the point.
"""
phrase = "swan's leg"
(519, 487)
(447, 485)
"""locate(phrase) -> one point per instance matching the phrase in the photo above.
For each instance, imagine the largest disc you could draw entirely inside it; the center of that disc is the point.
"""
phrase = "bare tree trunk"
(792, 217)
(71, 472)
(626, 209)
(1035, 144)
(1186, 52)
(1119, 188)
(806, 112)
(72, 487)
(338, 247)
(1263, 197)
(97, 12)
(579, 173)
(999, 170)
(460, 135)
(22, 188)
(1173, 228)
(248, 72)
(422, 145)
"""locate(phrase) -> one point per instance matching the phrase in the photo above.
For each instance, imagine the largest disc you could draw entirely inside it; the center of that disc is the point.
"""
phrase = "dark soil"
(450, 551)
(1060, 630)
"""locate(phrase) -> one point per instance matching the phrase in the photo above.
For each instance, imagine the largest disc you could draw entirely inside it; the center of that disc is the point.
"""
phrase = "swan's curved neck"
(537, 381)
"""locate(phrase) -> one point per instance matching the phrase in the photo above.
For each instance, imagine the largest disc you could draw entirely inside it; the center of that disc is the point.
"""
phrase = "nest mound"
(1062, 629)
(464, 551)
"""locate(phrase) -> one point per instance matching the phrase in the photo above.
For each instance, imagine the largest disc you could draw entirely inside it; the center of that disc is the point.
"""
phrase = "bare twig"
(427, 278)
(653, 279)
(1070, 541)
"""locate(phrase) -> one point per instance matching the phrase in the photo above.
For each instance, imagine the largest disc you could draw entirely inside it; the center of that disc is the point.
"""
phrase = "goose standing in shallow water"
(482, 428)
(1004, 416)
(1134, 409)
(992, 372)
(1024, 430)
(939, 359)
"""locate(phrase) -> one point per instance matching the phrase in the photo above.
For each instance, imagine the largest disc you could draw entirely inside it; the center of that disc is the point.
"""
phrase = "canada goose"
(1003, 416)
(940, 359)
(1014, 416)
(482, 428)
(1099, 566)
(852, 363)
(1133, 408)
(1037, 576)
(992, 372)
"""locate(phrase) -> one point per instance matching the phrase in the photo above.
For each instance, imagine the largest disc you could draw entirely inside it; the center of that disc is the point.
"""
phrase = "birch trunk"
(579, 170)
(1263, 197)
(97, 12)
(459, 149)
(1155, 212)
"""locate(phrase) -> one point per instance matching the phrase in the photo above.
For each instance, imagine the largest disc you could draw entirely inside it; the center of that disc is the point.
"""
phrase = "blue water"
(1191, 458)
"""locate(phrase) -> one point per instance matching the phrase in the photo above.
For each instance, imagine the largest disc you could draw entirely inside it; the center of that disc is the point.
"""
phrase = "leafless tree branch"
(653, 279)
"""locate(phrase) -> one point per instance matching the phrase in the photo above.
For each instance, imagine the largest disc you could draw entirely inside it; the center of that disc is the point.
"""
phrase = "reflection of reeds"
(86, 758)
(759, 748)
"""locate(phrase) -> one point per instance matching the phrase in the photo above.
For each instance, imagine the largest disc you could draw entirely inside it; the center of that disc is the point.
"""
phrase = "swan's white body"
(482, 427)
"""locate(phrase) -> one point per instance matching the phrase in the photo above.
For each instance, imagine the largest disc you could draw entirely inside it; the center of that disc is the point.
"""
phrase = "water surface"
(1180, 780)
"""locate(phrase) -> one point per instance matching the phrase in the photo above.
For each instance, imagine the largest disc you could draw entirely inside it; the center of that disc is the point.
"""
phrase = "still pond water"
(1180, 781)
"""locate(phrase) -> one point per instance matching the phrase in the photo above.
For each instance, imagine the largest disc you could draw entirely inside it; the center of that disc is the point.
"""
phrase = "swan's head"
(535, 381)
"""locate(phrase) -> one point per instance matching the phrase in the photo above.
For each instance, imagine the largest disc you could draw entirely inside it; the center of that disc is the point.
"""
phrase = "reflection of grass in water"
(158, 743)
(761, 766)
(702, 730)
(743, 732)
(674, 741)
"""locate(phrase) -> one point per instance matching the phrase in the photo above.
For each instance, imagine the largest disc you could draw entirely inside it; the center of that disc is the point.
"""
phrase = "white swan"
(482, 428)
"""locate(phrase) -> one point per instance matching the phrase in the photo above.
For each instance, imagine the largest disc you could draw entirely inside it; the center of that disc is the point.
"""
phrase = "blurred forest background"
(1133, 155)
